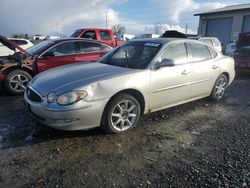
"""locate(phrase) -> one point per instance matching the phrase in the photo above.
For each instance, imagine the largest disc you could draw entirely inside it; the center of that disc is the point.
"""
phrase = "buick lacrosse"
(139, 77)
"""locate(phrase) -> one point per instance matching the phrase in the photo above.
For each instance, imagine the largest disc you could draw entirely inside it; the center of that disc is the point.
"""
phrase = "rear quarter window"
(213, 52)
(216, 42)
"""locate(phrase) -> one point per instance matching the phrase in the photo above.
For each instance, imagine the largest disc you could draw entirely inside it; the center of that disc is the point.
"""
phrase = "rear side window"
(88, 47)
(19, 42)
(199, 52)
(176, 52)
(89, 35)
(105, 35)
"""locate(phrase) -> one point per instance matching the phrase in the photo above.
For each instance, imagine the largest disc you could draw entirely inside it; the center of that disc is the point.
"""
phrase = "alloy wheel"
(220, 87)
(18, 83)
(124, 115)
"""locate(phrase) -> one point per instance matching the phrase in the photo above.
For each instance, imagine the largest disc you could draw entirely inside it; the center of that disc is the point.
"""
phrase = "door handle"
(185, 72)
(215, 66)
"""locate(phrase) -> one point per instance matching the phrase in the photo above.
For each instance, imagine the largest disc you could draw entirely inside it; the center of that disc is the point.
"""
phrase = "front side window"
(176, 53)
(66, 48)
(135, 55)
(105, 35)
(199, 52)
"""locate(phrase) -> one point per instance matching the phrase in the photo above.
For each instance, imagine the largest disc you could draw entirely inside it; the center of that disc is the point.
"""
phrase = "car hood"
(11, 45)
(74, 76)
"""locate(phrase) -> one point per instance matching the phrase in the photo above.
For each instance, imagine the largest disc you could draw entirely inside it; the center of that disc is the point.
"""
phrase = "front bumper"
(85, 117)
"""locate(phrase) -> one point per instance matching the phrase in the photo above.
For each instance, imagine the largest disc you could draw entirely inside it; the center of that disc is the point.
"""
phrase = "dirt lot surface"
(199, 144)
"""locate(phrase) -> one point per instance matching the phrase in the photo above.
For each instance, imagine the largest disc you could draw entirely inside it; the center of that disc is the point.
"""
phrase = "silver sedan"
(139, 77)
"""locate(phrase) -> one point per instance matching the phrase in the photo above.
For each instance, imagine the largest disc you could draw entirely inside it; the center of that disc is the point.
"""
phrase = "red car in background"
(16, 70)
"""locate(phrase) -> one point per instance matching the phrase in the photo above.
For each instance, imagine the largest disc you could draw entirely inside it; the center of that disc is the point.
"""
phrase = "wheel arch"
(133, 92)
(12, 68)
(227, 75)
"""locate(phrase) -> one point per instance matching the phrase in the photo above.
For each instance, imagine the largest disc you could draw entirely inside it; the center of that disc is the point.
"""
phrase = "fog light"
(51, 97)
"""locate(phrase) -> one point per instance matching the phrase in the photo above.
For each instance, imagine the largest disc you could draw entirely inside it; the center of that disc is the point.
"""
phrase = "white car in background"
(23, 43)
(231, 47)
(212, 41)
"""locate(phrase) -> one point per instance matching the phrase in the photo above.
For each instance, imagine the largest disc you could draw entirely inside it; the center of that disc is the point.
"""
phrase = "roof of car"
(162, 40)
(73, 39)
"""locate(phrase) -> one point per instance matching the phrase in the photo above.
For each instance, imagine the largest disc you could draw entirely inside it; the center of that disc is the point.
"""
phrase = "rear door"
(205, 68)
(61, 54)
(170, 85)
(106, 37)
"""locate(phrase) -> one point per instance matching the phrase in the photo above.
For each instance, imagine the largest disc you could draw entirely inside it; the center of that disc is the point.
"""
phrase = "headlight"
(51, 97)
(71, 97)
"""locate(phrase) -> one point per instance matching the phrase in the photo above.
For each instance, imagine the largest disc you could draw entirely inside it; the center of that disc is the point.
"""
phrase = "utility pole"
(186, 29)
(57, 29)
(106, 19)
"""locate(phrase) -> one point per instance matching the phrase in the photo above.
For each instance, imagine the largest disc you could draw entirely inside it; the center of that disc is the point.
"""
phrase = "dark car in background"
(242, 54)
(16, 70)
(242, 59)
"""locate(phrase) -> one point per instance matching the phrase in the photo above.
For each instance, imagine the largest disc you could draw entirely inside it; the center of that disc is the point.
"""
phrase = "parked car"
(103, 35)
(23, 43)
(243, 40)
(242, 59)
(140, 77)
(231, 47)
(17, 69)
(212, 41)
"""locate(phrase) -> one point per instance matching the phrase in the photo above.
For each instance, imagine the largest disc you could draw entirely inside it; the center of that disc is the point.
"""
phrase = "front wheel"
(16, 81)
(121, 114)
(219, 88)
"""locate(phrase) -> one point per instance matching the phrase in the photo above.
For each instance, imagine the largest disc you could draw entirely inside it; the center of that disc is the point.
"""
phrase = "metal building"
(225, 23)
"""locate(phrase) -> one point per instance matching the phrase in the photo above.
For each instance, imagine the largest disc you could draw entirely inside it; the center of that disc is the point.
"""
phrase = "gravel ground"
(199, 144)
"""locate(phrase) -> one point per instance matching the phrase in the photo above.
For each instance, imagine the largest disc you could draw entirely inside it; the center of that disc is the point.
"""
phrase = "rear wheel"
(121, 114)
(16, 81)
(219, 88)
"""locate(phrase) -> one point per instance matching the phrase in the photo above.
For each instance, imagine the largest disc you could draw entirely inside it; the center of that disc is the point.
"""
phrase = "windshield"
(135, 55)
(76, 33)
(33, 50)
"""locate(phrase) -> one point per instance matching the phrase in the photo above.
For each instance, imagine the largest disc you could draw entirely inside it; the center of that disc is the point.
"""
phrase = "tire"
(121, 113)
(16, 81)
(219, 88)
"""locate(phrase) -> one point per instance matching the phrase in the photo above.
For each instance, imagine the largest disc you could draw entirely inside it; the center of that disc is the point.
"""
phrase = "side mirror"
(164, 63)
(49, 54)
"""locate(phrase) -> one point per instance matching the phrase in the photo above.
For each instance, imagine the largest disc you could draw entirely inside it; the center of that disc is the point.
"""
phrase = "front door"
(62, 54)
(170, 85)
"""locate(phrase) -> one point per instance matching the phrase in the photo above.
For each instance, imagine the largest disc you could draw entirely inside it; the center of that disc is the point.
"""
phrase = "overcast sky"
(50, 17)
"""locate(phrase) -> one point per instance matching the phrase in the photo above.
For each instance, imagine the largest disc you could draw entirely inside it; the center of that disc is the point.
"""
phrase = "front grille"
(32, 95)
